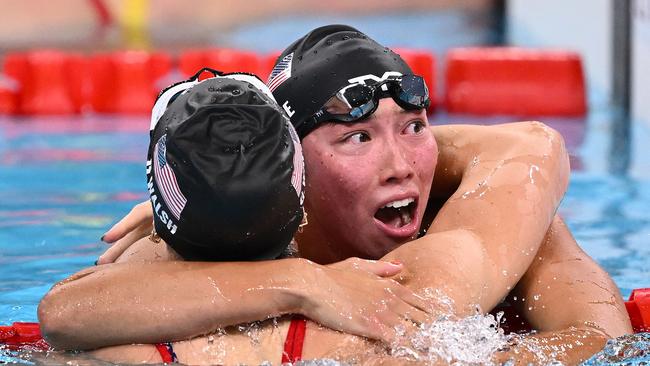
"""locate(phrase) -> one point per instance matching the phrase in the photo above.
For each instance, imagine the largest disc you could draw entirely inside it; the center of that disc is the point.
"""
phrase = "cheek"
(425, 160)
(332, 181)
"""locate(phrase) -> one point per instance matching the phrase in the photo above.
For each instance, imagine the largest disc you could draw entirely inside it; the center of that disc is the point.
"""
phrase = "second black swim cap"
(316, 66)
(224, 170)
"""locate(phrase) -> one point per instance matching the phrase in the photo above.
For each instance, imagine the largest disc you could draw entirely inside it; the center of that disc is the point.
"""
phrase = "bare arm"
(96, 307)
(507, 182)
(162, 301)
(567, 297)
(571, 300)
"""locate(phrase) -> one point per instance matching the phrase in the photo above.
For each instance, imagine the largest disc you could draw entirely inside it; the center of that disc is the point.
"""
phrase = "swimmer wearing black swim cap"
(338, 74)
(224, 170)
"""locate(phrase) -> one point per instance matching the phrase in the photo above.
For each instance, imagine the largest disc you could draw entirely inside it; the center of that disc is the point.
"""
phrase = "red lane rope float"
(514, 81)
(126, 82)
(22, 335)
(638, 307)
(47, 81)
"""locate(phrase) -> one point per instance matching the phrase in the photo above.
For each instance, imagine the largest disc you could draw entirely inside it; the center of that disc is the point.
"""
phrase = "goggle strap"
(164, 99)
(165, 95)
(307, 126)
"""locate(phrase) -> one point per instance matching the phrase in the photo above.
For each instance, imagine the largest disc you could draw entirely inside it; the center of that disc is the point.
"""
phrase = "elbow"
(557, 151)
(55, 321)
(548, 143)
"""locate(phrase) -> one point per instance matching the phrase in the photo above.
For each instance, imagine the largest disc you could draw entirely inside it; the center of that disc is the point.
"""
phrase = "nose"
(396, 166)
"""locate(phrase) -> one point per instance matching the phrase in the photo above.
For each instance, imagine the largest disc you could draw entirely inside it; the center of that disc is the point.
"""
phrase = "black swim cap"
(315, 67)
(224, 170)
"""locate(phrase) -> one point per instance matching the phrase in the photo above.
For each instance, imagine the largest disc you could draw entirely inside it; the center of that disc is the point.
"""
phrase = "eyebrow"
(401, 111)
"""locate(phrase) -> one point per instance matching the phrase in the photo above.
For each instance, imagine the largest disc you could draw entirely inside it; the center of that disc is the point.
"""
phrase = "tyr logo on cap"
(362, 79)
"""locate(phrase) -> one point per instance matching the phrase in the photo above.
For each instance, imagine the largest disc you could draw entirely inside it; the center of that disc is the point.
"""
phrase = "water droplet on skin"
(504, 272)
(475, 161)
(536, 297)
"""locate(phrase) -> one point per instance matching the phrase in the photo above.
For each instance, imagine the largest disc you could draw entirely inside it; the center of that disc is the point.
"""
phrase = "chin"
(384, 245)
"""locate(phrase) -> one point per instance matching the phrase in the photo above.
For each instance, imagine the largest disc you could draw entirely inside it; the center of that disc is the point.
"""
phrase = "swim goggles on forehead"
(355, 102)
(170, 93)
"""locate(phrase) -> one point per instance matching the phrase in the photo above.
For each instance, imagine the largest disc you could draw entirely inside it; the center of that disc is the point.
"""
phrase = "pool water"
(63, 181)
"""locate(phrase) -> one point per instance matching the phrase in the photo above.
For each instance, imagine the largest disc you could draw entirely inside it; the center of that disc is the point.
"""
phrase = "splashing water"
(632, 349)
(471, 340)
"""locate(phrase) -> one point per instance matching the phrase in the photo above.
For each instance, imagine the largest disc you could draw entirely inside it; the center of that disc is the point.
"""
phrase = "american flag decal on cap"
(166, 179)
(298, 175)
(281, 72)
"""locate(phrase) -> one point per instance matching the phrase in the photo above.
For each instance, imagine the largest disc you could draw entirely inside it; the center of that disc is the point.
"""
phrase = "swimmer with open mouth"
(490, 219)
(221, 154)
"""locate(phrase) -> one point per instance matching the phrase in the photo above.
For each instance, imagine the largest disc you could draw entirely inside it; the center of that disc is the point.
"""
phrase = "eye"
(357, 138)
(415, 128)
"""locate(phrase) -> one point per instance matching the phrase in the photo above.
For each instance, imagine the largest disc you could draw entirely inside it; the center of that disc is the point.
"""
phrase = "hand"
(134, 226)
(354, 296)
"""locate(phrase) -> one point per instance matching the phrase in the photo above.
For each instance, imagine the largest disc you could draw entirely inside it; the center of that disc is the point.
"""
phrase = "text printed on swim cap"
(362, 79)
(287, 108)
(164, 217)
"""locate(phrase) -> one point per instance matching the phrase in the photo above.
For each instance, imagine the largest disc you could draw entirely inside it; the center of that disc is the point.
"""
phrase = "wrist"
(300, 281)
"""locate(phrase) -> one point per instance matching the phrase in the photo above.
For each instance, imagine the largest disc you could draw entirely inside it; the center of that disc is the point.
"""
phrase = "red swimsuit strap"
(295, 338)
(166, 352)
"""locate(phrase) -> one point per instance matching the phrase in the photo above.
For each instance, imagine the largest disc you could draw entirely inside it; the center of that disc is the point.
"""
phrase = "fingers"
(390, 326)
(141, 213)
(389, 319)
(411, 298)
(115, 250)
(385, 269)
(408, 312)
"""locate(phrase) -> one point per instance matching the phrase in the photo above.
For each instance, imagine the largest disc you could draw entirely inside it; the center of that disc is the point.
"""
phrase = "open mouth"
(398, 213)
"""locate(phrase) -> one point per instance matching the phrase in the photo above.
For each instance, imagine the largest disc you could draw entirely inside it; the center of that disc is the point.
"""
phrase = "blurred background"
(67, 175)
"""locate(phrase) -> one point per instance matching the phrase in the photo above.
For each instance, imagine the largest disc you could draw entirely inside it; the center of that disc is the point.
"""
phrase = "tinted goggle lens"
(356, 95)
(413, 91)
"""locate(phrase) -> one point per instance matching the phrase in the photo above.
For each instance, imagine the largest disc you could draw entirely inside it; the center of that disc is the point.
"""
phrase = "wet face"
(368, 182)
